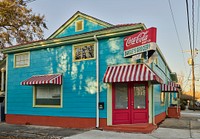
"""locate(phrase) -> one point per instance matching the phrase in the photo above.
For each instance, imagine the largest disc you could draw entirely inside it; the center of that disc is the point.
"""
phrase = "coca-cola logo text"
(140, 38)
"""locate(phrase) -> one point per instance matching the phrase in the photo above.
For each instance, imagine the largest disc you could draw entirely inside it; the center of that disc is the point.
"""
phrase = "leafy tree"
(18, 24)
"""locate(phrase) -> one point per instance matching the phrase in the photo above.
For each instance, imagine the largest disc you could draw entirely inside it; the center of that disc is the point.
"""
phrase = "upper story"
(74, 45)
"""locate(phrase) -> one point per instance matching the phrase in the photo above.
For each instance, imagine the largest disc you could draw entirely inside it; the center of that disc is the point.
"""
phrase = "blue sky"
(153, 13)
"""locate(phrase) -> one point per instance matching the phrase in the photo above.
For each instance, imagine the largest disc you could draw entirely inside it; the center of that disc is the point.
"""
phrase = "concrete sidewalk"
(187, 127)
(160, 133)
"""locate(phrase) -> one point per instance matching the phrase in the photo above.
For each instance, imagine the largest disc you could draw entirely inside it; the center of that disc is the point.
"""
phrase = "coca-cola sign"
(140, 38)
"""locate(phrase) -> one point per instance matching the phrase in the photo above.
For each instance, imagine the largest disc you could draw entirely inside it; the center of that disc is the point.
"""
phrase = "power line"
(177, 33)
(193, 24)
(197, 23)
(188, 21)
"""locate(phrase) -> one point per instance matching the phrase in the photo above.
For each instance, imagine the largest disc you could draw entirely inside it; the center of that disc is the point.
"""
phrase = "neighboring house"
(2, 79)
(85, 76)
(2, 88)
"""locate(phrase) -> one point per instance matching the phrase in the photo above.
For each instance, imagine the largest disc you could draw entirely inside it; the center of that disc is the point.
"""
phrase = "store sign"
(139, 42)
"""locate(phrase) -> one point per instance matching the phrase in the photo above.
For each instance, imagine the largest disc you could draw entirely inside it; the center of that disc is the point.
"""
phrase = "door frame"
(128, 111)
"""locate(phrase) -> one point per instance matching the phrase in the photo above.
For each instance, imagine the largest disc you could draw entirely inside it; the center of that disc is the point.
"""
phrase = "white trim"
(28, 64)
(109, 104)
(150, 109)
(6, 86)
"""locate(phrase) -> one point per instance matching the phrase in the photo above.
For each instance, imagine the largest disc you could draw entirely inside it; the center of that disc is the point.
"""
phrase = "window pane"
(139, 97)
(121, 96)
(22, 60)
(48, 95)
(84, 52)
(77, 53)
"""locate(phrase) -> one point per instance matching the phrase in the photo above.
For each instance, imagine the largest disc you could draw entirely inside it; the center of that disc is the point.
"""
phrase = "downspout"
(97, 77)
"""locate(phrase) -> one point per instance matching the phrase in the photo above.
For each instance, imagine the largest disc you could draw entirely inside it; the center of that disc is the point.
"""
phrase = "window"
(162, 98)
(47, 95)
(139, 97)
(79, 25)
(22, 59)
(121, 96)
(84, 52)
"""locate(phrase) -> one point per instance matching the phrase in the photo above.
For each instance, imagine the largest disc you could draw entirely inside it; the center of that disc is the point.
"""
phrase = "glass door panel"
(139, 97)
(121, 96)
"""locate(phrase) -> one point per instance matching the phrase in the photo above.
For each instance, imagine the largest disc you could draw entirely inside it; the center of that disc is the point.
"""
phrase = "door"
(130, 103)
(139, 103)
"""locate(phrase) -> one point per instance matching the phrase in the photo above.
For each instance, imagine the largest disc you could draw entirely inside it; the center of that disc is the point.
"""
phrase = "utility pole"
(191, 62)
(193, 82)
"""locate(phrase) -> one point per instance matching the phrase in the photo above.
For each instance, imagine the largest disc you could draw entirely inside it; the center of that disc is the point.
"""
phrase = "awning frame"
(130, 73)
(55, 79)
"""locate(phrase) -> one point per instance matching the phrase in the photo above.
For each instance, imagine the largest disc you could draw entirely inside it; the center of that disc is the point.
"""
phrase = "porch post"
(2, 79)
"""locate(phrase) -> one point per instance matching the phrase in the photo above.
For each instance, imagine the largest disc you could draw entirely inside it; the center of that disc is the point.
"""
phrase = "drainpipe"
(97, 76)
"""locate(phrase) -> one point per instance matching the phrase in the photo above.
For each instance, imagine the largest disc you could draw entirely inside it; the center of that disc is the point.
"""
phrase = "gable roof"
(117, 30)
(76, 15)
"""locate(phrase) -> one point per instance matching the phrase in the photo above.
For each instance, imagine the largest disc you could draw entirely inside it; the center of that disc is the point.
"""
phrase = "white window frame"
(80, 46)
(21, 66)
(48, 106)
(76, 25)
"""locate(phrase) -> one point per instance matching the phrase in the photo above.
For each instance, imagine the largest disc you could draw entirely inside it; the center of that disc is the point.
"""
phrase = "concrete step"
(138, 128)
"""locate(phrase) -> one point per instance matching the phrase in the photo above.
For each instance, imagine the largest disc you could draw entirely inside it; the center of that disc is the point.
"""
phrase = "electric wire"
(193, 26)
(177, 34)
(198, 6)
(188, 22)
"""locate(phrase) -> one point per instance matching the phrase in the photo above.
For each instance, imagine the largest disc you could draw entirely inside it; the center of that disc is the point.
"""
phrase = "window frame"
(47, 106)
(76, 25)
(18, 54)
(82, 45)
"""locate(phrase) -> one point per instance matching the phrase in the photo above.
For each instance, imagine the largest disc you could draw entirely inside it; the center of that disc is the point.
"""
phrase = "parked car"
(196, 106)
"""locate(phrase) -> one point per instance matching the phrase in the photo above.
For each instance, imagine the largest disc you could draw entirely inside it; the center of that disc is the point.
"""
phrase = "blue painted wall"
(164, 72)
(79, 78)
(88, 26)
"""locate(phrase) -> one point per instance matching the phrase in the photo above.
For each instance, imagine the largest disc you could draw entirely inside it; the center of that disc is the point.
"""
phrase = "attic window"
(79, 25)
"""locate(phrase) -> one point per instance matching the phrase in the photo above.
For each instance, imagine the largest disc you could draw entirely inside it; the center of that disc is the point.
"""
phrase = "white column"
(2, 79)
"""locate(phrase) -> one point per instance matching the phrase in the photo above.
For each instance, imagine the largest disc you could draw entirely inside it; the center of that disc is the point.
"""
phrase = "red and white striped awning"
(43, 79)
(129, 73)
(168, 88)
(174, 84)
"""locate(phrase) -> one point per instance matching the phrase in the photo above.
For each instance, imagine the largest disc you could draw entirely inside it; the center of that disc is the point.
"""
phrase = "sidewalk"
(160, 133)
(187, 127)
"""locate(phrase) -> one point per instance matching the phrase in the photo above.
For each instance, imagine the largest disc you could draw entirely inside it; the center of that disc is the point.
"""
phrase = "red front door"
(130, 103)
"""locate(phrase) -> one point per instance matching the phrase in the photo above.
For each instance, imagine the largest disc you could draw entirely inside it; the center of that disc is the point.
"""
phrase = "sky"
(153, 13)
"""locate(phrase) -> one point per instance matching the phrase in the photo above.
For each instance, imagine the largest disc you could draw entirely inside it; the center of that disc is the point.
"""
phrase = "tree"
(18, 24)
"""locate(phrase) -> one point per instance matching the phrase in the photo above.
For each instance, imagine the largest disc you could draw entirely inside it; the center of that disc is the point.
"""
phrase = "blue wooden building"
(88, 74)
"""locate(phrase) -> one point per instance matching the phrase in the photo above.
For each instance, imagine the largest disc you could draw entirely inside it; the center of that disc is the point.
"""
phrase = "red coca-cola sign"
(140, 38)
